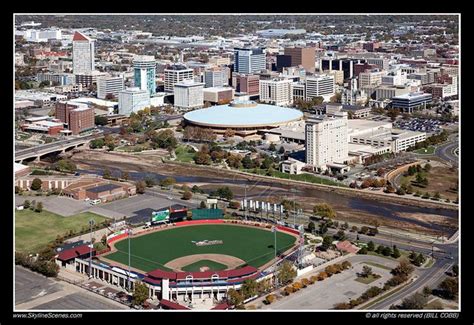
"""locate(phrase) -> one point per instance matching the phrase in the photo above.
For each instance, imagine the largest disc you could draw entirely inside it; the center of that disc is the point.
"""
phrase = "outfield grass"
(196, 267)
(152, 251)
(184, 154)
(35, 230)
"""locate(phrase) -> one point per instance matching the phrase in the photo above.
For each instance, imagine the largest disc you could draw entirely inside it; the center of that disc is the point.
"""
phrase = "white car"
(94, 202)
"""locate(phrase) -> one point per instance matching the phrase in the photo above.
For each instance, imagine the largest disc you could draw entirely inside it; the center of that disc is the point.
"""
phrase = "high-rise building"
(133, 100)
(326, 140)
(276, 91)
(319, 86)
(249, 60)
(77, 117)
(145, 72)
(248, 84)
(283, 61)
(175, 74)
(83, 52)
(109, 86)
(345, 65)
(216, 77)
(370, 78)
(304, 56)
(188, 94)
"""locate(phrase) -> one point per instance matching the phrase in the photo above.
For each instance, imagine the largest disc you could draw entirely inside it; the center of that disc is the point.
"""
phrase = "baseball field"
(252, 246)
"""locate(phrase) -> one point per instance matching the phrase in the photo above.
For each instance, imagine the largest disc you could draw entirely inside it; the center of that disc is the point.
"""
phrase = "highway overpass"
(60, 146)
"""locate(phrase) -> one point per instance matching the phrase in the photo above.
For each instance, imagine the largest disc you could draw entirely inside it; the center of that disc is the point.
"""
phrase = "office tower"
(320, 85)
(109, 86)
(144, 73)
(248, 84)
(83, 51)
(283, 61)
(249, 60)
(176, 73)
(133, 100)
(304, 56)
(276, 91)
(188, 94)
(216, 77)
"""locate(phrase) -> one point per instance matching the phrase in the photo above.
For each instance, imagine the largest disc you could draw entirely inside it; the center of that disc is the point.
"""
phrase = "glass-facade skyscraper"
(145, 73)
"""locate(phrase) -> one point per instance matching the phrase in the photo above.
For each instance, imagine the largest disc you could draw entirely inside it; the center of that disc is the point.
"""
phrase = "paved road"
(447, 151)
(428, 278)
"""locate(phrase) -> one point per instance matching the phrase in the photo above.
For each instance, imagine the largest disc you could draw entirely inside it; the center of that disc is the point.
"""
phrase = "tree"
(36, 184)
(340, 235)
(427, 167)
(387, 251)
(455, 269)
(165, 139)
(346, 265)
(450, 287)
(202, 205)
(437, 196)
(101, 120)
(311, 227)
(419, 259)
(415, 301)
(427, 291)
(269, 299)
(327, 242)
(96, 143)
(286, 273)
(107, 174)
(362, 251)
(223, 192)
(141, 186)
(234, 298)
(323, 228)
(234, 161)
(324, 210)
(281, 150)
(404, 268)
(33, 205)
(229, 133)
(167, 182)
(363, 230)
(272, 147)
(140, 293)
(187, 195)
(366, 271)
(202, 158)
(371, 246)
(39, 207)
(125, 175)
(396, 253)
(249, 288)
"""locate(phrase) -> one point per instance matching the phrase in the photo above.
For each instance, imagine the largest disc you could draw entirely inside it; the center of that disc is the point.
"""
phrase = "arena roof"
(258, 115)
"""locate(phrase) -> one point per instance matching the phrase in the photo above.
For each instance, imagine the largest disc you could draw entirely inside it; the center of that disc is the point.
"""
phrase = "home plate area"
(205, 262)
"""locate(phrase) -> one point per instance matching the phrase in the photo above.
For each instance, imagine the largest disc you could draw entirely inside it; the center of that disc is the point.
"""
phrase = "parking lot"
(323, 295)
(420, 125)
(61, 205)
(36, 292)
(139, 207)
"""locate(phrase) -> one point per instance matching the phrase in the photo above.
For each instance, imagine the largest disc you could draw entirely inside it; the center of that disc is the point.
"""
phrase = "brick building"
(77, 117)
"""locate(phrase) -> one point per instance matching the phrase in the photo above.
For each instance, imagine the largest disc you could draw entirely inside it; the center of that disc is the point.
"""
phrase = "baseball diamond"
(248, 245)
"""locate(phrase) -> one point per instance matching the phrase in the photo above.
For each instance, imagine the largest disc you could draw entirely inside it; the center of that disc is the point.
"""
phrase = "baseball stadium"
(191, 259)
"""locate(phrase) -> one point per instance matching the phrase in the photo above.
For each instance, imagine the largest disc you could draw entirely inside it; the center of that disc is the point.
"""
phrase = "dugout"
(207, 214)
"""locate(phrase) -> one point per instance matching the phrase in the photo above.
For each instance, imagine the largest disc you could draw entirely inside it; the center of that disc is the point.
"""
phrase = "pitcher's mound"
(204, 268)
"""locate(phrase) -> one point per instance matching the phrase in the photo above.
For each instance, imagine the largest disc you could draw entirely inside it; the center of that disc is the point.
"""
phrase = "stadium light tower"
(129, 231)
(91, 223)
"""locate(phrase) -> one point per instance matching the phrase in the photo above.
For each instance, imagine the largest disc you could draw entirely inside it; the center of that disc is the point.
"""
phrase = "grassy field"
(196, 267)
(378, 265)
(184, 154)
(371, 278)
(440, 179)
(34, 230)
(429, 151)
(301, 177)
(149, 252)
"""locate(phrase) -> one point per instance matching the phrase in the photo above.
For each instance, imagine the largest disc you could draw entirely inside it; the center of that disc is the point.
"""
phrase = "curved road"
(447, 151)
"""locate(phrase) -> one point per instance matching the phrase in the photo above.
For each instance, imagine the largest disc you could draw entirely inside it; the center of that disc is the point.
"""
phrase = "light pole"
(245, 201)
(128, 275)
(91, 223)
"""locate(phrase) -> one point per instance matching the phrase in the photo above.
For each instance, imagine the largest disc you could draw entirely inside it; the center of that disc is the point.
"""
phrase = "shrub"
(187, 195)
(305, 282)
(322, 276)
(269, 299)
